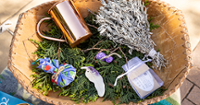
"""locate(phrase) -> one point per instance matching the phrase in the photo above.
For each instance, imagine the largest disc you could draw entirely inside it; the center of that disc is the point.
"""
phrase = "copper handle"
(46, 37)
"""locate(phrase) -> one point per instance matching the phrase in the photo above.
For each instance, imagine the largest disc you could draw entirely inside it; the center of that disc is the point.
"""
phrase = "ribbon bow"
(63, 74)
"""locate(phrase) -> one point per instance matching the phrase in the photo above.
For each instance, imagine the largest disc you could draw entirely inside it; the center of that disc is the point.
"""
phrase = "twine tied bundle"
(63, 74)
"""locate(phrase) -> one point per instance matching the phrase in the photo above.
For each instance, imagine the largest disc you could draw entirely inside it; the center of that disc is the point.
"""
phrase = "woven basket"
(171, 38)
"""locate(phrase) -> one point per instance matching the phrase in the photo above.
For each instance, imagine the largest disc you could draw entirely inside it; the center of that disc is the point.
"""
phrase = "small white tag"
(144, 81)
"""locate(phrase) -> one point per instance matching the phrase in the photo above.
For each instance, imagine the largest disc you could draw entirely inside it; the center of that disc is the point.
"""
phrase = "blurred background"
(190, 90)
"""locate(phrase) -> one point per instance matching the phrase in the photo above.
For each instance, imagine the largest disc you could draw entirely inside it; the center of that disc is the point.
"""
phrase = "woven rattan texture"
(171, 38)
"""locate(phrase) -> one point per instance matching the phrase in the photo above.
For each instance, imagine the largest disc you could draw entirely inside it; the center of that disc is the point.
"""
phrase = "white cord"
(5, 26)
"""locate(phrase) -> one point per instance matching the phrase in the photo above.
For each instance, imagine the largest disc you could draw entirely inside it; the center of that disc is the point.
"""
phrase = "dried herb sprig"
(126, 22)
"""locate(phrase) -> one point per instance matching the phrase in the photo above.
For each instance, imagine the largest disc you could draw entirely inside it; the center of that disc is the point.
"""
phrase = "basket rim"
(16, 72)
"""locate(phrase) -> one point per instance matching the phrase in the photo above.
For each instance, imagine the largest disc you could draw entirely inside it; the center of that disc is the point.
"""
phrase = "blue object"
(49, 66)
(63, 74)
(6, 99)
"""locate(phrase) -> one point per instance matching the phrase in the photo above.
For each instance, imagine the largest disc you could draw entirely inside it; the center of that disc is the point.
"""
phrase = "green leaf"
(146, 2)
(64, 81)
(152, 26)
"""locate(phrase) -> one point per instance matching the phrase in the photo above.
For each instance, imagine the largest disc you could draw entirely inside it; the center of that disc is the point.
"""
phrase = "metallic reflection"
(70, 21)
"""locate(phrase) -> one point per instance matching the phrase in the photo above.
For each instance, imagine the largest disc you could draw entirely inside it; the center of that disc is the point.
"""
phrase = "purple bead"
(109, 59)
(100, 55)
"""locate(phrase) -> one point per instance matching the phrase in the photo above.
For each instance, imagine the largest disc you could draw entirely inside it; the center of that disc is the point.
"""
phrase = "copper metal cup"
(69, 20)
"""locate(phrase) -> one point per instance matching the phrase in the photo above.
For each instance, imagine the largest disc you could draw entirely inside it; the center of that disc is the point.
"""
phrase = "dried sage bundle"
(125, 22)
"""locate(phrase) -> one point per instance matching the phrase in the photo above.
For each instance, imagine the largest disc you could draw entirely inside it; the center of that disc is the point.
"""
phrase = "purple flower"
(100, 55)
(109, 59)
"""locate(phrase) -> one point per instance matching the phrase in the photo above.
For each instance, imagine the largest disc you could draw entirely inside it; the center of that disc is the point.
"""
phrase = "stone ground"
(190, 90)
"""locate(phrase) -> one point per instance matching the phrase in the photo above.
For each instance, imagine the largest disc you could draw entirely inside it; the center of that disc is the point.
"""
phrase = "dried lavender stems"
(126, 22)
